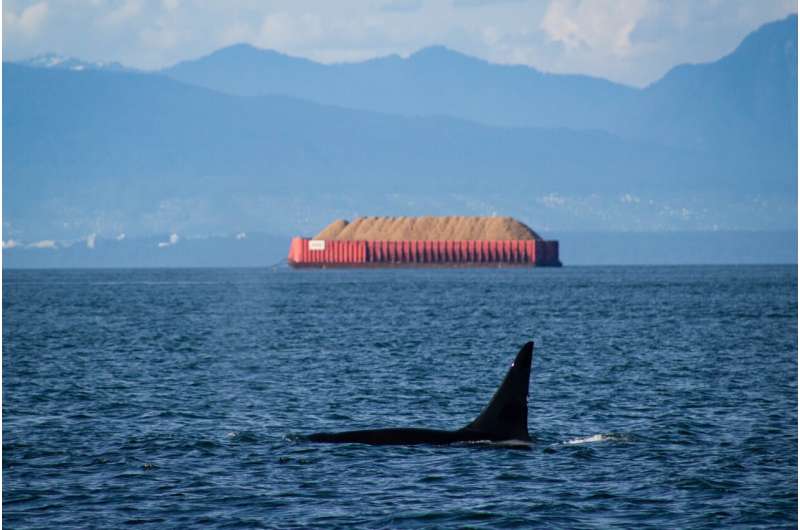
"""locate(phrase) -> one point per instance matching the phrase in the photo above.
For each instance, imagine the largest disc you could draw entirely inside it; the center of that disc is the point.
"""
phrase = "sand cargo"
(425, 242)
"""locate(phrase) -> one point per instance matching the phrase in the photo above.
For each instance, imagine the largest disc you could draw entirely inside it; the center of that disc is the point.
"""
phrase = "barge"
(384, 242)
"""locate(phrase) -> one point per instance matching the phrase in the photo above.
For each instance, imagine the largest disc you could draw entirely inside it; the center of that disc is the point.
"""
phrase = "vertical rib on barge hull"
(320, 253)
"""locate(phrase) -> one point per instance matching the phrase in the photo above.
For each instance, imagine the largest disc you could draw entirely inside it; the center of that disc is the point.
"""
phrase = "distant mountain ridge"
(742, 103)
(745, 103)
(432, 81)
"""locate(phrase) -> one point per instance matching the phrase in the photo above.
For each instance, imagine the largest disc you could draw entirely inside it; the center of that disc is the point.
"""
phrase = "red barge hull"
(320, 253)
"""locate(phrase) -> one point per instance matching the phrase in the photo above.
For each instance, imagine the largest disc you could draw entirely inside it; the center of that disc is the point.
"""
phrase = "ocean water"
(660, 397)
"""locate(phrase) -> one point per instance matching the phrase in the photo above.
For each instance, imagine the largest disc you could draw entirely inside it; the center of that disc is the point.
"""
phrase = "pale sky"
(629, 41)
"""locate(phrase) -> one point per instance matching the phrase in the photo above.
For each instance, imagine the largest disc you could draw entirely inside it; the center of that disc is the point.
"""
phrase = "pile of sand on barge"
(428, 228)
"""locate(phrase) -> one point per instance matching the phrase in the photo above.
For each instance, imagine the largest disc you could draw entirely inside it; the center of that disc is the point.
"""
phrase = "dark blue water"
(660, 397)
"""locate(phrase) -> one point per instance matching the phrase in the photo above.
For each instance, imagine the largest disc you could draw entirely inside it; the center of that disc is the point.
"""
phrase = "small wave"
(241, 437)
(295, 437)
(511, 444)
(610, 437)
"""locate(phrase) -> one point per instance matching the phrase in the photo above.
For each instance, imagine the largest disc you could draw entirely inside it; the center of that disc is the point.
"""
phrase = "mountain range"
(253, 140)
(748, 97)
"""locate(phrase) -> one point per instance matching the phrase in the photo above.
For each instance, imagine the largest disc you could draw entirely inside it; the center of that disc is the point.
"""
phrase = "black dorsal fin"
(506, 415)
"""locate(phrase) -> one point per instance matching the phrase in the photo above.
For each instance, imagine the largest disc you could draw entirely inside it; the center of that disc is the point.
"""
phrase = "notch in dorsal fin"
(506, 415)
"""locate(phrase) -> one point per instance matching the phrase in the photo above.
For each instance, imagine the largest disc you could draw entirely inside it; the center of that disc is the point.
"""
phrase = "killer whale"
(504, 419)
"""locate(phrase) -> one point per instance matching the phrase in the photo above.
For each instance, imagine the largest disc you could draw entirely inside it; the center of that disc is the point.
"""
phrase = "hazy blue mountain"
(741, 106)
(432, 81)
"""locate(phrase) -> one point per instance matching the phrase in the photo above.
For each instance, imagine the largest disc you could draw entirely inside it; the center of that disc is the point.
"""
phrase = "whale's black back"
(504, 418)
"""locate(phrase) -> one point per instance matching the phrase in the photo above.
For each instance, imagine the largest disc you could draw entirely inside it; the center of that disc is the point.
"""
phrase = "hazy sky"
(631, 41)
